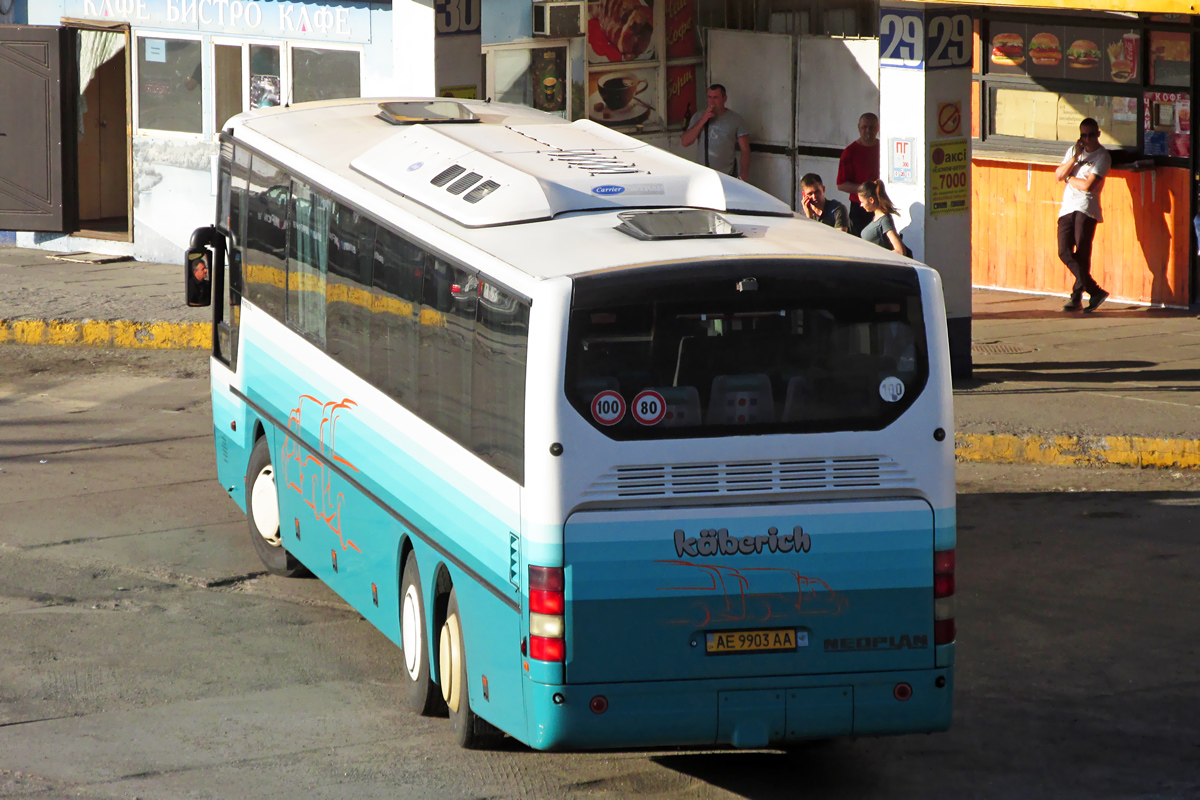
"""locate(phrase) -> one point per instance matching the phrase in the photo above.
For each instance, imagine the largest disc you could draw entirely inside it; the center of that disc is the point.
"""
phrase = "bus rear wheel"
(420, 695)
(471, 732)
(262, 514)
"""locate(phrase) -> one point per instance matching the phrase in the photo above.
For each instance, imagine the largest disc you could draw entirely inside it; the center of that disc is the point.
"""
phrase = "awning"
(1125, 6)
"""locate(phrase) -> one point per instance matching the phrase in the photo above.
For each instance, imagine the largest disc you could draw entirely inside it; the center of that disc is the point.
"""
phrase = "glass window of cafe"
(172, 78)
(1037, 76)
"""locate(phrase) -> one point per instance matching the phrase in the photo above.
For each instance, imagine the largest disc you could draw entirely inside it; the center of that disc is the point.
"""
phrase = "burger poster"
(1007, 53)
(1108, 55)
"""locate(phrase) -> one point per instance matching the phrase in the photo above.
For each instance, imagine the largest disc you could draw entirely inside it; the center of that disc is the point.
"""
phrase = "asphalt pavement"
(1117, 386)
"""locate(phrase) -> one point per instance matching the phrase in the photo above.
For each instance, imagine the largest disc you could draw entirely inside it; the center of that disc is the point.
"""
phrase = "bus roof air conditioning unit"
(560, 20)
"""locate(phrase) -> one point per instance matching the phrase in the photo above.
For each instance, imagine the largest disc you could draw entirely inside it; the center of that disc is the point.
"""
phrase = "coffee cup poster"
(623, 97)
(620, 31)
(1111, 55)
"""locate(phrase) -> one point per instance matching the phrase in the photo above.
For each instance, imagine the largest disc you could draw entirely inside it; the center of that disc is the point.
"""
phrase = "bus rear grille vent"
(447, 175)
(481, 191)
(751, 477)
(464, 183)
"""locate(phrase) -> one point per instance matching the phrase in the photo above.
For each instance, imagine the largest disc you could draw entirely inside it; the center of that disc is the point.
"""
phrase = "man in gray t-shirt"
(721, 137)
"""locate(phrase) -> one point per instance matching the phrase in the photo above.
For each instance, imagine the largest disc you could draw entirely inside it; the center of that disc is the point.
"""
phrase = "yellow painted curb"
(1126, 451)
(120, 333)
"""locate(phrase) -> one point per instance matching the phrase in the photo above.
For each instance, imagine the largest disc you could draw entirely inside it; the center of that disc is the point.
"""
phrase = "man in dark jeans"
(1082, 170)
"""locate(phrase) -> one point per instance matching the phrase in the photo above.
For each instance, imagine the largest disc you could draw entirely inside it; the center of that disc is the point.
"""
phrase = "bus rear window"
(760, 347)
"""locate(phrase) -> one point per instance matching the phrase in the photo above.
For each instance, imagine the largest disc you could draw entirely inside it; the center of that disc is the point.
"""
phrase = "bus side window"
(348, 289)
(308, 257)
(397, 267)
(264, 266)
(446, 332)
(498, 380)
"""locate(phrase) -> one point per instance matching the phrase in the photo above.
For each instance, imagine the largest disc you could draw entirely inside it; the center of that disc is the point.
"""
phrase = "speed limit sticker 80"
(608, 407)
(649, 408)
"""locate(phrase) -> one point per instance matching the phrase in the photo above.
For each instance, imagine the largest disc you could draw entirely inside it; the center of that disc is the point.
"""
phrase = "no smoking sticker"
(949, 118)
(608, 407)
(649, 408)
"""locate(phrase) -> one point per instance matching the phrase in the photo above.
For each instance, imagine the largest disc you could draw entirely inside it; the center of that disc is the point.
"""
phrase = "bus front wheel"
(262, 513)
(420, 694)
(470, 731)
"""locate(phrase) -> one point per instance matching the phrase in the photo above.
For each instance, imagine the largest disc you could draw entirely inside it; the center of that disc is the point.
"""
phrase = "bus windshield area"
(719, 354)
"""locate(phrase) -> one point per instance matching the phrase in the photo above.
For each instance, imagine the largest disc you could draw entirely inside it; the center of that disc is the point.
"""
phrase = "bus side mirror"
(197, 276)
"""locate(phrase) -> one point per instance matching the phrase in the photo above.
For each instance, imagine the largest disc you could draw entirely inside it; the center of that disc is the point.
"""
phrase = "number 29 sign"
(907, 39)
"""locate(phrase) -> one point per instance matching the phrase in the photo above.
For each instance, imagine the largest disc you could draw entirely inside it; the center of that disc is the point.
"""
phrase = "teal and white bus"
(617, 450)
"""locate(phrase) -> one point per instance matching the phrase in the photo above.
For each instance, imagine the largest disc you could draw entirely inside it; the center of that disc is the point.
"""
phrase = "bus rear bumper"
(757, 712)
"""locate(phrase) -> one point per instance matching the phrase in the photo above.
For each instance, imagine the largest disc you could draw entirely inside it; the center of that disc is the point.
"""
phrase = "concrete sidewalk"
(1120, 386)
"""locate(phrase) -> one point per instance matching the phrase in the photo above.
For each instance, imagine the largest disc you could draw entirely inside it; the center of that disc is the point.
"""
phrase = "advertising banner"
(620, 30)
(948, 171)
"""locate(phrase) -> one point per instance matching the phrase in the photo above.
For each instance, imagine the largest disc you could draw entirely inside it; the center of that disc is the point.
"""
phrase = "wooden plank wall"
(1141, 248)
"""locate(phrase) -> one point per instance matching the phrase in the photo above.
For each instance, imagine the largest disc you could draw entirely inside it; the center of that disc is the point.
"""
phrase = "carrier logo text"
(714, 542)
(859, 644)
(607, 189)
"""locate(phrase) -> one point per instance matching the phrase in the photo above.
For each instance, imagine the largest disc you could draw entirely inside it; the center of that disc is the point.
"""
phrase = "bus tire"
(262, 514)
(471, 732)
(420, 694)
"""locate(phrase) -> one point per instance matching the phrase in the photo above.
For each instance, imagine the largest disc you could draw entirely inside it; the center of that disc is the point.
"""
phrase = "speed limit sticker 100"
(649, 408)
(608, 407)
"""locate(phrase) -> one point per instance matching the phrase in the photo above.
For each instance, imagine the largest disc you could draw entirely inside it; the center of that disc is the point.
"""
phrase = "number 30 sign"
(909, 41)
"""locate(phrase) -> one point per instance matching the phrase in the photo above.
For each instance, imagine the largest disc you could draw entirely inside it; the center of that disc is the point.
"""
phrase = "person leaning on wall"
(720, 134)
(1082, 170)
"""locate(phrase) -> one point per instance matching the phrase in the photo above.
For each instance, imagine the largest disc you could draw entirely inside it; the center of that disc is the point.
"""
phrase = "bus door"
(231, 418)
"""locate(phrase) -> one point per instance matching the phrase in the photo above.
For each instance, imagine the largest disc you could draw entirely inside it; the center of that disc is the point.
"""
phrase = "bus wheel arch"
(470, 731)
(263, 514)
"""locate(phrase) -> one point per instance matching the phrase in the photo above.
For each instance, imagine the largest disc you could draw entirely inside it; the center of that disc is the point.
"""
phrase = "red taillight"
(547, 604)
(546, 649)
(943, 597)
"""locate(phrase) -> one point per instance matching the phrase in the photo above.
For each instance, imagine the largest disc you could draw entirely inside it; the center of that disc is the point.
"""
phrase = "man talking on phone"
(1083, 169)
(719, 134)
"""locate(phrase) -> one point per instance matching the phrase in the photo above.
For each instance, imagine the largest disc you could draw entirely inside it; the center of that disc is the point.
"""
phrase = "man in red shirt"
(860, 163)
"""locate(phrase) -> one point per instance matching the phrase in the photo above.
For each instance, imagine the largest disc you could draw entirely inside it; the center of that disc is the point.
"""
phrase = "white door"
(757, 70)
(837, 81)
(801, 97)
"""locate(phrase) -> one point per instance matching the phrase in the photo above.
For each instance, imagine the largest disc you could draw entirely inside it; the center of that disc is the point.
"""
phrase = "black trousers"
(1075, 233)
(859, 218)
